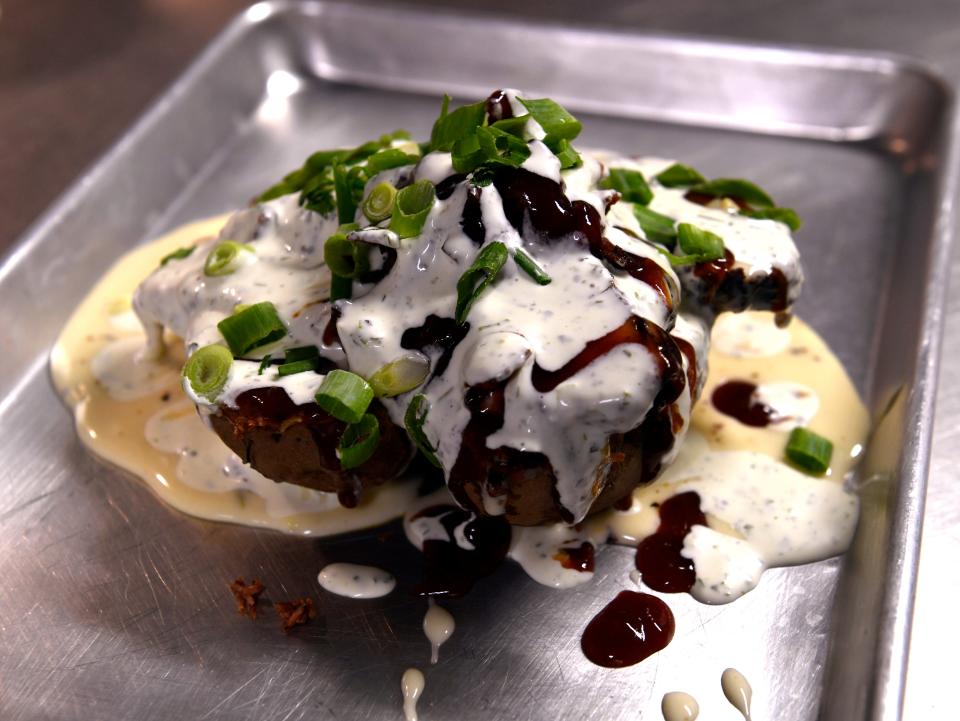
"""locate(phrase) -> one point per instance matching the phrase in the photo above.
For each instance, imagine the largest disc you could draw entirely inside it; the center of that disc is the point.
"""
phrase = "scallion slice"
(225, 258)
(698, 242)
(568, 157)
(178, 254)
(300, 366)
(809, 451)
(379, 203)
(345, 257)
(530, 267)
(787, 216)
(341, 287)
(413, 420)
(737, 188)
(253, 327)
(264, 364)
(359, 442)
(658, 228)
(400, 376)
(305, 352)
(346, 204)
(344, 395)
(485, 268)
(389, 158)
(451, 127)
(630, 183)
(207, 370)
(679, 175)
(515, 126)
(556, 122)
(412, 207)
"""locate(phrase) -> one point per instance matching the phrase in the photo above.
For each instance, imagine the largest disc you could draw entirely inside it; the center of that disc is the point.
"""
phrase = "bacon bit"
(295, 613)
(246, 596)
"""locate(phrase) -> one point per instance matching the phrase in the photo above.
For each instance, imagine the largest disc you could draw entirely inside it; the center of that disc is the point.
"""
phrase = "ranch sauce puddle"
(134, 415)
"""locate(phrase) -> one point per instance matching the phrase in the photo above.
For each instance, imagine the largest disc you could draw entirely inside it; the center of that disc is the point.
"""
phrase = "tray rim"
(891, 656)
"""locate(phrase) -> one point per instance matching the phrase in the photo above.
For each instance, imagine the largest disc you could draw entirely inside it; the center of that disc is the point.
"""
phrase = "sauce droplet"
(737, 690)
(679, 706)
(355, 581)
(737, 400)
(438, 625)
(660, 560)
(630, 628)
(411, 685)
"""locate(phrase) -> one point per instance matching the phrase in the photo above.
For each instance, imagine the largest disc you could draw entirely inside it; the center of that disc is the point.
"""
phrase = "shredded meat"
(295, 613)
(246, 595)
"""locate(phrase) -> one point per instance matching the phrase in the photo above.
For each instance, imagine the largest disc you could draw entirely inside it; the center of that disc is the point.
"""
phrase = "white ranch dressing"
(737, 690)
(353, 580)
(438, 626)
(412, 684)
(679, 706)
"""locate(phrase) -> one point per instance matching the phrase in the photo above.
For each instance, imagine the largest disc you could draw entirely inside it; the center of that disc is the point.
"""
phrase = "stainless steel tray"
(113, 606)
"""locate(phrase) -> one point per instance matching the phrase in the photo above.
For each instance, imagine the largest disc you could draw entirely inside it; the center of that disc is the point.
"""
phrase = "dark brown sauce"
(452, 571)
(735, 399)
(691, 355)
(388, 258)
(659, 559)
(634, 330)
(446, 186)
(726, 288)
(472, 219)
(438, 333)
(330, 337)
(498, 107)
(579, 558)
(630, 628)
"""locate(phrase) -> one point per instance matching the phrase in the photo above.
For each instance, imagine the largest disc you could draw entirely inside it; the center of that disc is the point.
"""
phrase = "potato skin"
(297, 444)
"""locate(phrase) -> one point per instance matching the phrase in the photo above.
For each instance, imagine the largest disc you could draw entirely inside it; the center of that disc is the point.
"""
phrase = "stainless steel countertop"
(72, 79)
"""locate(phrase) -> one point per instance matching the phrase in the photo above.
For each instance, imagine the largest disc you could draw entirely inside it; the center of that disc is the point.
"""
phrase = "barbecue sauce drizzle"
(735, 399)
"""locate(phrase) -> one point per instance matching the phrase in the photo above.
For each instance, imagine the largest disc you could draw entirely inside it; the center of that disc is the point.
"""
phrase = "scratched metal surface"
(113, 606)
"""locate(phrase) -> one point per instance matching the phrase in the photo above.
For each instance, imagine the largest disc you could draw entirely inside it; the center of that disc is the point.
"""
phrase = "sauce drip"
(659, 559)
(452, 570)
(498, 107)
(438, 333)
(634, 330)
(471, 221)
(411, 686)
(735, 399)
(737, 690)
(579, 558)
(630, 628)
(446, 186)
(726, 288)
(679, 706)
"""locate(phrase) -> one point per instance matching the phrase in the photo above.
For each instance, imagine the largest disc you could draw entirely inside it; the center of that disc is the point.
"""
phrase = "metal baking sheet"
(113, 606)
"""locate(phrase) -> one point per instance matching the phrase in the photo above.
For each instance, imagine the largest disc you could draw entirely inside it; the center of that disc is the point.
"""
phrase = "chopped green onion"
(379, 204)
(389, 158)
(345, 257)
(467, 153)
(530, 267)
(178, 254)
(263, 364)
(485, 268)
(451, 127)
(679, 175)
(323, 159)
(515, 126)
(412, 207)
(809, 451)
(344, 395)
(341, 287)
(413, 420)
(735, 188)
(300, 366)
(300, 353)
(207, 370)
(359, 442)
(346, 204)
(556, 122)
(252, 327)
(503, 147)
(401, 375)
(630, 183)
(568, 157)
(239, 307)
(787, 216)
(658, 228)
(318, 193)
(225, 259)
(698, 242)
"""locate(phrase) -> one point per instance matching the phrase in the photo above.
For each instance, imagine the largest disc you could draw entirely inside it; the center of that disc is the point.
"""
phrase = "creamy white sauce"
(411, 686)
(746, 335)
(537, 550)
(353, 580)
(794, 404)
(737, 690)
(438, 626)
(679, 706)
